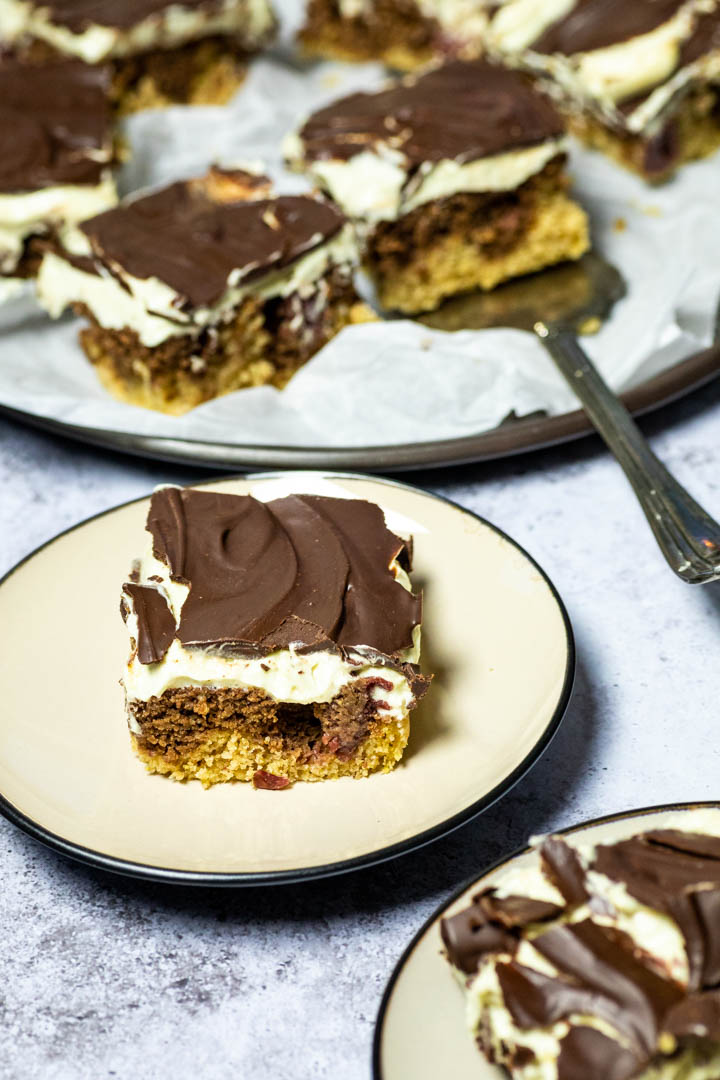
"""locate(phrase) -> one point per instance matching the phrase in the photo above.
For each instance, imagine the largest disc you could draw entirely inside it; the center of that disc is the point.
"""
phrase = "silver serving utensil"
(557, 305)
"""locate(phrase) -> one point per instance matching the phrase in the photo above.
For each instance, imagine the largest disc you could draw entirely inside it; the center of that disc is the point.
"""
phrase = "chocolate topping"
(462, 111)
(156, 625)
(193, 244)
(54, 119)
(490, 925)
(600, 972)
(303, 569)
(679, 874)
(78, 15)
(561, 865)
(596, 24)
(704, 38)
(586, 1053)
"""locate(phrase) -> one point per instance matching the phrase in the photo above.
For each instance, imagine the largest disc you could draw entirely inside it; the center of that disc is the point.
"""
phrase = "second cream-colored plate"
(420, 1031)
(495, 634)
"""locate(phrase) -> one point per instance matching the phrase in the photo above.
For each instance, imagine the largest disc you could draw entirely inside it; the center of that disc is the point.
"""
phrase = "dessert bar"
(57, 153)
(204, 287)
(270, 642)
(640, 80)
(601, 961)
(161, 51)
(405, 34)
(456, 180)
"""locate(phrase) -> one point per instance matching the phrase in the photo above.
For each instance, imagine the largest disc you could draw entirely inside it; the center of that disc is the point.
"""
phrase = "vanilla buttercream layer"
(285, 675)
(375, 185)
(154, 310)
(27, 213)
(249, 21)
(603, 78)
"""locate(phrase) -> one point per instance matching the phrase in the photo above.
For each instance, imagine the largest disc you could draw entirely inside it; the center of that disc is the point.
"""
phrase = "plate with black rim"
(496, 636)
(420, 1029)
(514, 436)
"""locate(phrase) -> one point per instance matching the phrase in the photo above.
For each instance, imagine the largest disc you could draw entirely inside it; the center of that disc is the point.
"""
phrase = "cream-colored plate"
(496, 635)
(420, 1030)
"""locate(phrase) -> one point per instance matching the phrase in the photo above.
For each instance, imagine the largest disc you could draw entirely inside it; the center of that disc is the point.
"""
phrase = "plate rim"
(215, 879)
(568, 830)
(682, 378)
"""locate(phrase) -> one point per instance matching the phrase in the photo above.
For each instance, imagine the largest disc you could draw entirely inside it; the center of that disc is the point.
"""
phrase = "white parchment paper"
(393, 382)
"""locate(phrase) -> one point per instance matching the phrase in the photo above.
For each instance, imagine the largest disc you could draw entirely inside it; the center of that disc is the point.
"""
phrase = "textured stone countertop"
(105, 977)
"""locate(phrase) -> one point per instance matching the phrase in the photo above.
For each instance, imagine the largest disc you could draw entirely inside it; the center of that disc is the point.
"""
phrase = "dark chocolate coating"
(462, 111)
(78, 15)
(678, 874)
(596, 24)
(54, 118)
(601, 971)
(303, 569)
(193, 244)
(156, 625)
(490, 925)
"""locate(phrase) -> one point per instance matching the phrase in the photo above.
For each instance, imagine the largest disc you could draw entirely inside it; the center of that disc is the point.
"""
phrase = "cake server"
(557, 305)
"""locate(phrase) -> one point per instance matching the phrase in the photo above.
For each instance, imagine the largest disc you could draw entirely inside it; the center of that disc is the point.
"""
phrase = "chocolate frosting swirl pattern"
(55, 124)
(420, 117)
(196, 245)
(601, 974)
(305, 570)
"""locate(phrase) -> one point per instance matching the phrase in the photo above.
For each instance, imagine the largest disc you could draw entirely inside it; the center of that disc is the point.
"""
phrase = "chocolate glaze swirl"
(597, 24)
(55, 124)
(599, 970)
(194, 244)
(462, 111)
(303, 569)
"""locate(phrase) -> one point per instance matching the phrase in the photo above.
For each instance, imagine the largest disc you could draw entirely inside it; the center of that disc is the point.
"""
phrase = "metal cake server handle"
(688, 537)
(556, 304)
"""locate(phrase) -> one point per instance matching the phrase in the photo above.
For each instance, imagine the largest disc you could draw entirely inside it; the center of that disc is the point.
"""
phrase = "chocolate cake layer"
(597, 969)
(55, 125)
(462, 111)
(303, 570)
(194, 244)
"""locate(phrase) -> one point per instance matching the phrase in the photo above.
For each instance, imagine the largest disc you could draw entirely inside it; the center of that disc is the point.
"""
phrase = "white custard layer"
(602, 78)
(26, 213)
(152, 309)
(373, 185)
(248, 21)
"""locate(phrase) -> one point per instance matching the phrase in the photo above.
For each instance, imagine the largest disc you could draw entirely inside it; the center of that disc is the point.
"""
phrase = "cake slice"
(455, 180)
(204, 287)
(160, 51)
(601, 962)
(270, 642)
(56, 136)
(640, 81)
(405, 34)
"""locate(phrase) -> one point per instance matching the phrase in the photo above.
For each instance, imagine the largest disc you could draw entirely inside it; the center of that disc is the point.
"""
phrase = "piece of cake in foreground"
(160, 51)
(57, 141)
(455, 179)
(272, 641)
(405, 34)
(205, 287)
(602, 963)
(638, 80)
